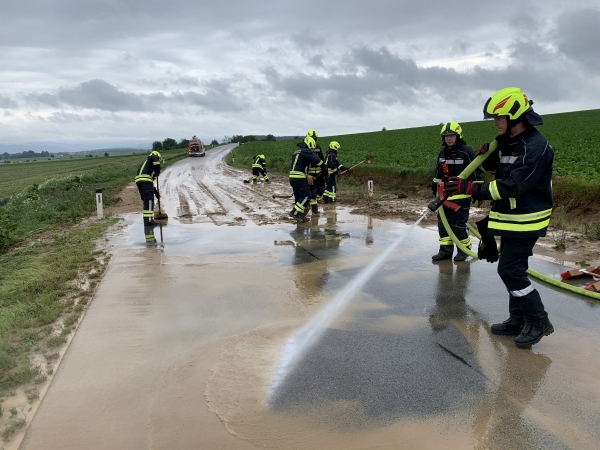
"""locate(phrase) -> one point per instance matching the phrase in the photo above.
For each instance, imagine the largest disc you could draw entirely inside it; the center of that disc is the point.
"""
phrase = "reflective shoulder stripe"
(508, 159)
(493, 188)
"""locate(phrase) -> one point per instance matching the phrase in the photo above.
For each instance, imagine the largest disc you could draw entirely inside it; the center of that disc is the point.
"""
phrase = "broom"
(159, 215)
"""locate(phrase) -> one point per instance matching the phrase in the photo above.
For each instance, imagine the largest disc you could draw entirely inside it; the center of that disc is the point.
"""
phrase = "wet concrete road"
(180, 345)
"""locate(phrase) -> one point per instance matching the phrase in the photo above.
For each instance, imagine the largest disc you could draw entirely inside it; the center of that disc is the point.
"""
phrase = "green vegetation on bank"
(44, 245)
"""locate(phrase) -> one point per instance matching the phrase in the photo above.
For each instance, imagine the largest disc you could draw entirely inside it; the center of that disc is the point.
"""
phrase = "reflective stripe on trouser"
(524, 300)
(458, 223)
(301, 195)
(147, 194)
(256, 172)
(331, 189)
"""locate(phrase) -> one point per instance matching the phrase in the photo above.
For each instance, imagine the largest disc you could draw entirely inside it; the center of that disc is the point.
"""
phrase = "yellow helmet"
(155, 153)
(334, 145)
(451, 128)
(312, 133)
(511, 102)
(262, 156)
(310, 142)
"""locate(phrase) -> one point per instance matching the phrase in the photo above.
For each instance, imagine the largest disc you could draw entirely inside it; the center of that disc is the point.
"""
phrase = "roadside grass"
(45, 244)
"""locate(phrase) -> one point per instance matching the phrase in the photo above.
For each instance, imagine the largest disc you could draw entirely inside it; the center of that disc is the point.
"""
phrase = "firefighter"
(259, 167)
(333, 170)
(521, 198)
(146, 173)
(318, 187)
(300, 180)
(455, 155)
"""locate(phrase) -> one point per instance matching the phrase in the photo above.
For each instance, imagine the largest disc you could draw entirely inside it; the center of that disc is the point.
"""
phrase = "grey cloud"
(7, 103)
(577, 35)
(62, 117)
(100, 95)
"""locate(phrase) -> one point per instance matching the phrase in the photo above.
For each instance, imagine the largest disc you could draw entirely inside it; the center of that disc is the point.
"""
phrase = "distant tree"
(270, 138)
(226, 140)
(106, 154)
(51, 155)
(214, 142)
(169, 143)
(184, 143)
(156, 145)
(384, 129)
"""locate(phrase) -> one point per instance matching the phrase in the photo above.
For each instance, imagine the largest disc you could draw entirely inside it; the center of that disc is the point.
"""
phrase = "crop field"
(411, 152)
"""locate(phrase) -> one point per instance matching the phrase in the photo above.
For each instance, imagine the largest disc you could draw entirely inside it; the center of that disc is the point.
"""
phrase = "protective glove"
(156, 193)
(488, 249)
(483, 149)
(457, 185)
(310, 179)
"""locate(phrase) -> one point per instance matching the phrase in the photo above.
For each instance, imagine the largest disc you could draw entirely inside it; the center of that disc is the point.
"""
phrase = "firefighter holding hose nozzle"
(455, 155)
(521, 199)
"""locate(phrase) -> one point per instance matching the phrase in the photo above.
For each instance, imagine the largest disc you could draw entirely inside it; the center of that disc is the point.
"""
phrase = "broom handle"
(158, 190)
(352, 167)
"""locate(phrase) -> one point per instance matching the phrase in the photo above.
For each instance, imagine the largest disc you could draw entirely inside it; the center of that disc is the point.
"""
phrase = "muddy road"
(183, 339)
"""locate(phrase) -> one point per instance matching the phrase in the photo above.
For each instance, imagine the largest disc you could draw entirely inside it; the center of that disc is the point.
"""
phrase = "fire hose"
(440, 200)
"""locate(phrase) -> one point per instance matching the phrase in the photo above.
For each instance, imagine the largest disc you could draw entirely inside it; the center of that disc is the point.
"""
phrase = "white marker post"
(99, 207)
(370, 186)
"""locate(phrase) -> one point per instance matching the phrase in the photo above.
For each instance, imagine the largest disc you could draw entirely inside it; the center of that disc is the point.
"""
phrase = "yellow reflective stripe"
(143, 177)
(258, 166)
(521, 217)
(297, 174)
(458, 197)
(479, 181)
(437, 180)
(513, 202)
(156, 163)
(518, 226)
(494, 191)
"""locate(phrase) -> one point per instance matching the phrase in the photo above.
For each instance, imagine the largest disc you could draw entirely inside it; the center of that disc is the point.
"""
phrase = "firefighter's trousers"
(458, 223)
(301, 195)
(146, 189)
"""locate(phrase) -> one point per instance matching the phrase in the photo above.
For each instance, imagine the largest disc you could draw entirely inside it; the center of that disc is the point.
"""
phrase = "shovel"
(368, 159)
(159, 215)
(282, 196)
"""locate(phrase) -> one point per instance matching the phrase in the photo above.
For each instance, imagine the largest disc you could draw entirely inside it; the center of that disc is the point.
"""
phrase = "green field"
(411, 152)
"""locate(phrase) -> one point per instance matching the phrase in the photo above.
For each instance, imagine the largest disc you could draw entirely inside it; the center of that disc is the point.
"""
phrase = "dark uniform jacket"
(302, 159)
(259, 163)
(149, 169)
(522, 192)
(314, 169)
(451, 162)
(333, 165)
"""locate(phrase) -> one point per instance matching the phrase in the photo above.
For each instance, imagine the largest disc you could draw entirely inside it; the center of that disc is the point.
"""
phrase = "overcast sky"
(115, 71)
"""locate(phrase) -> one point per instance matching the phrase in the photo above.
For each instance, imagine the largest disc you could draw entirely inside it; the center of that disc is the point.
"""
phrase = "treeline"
(169, 144)
(28, 154)
(238, 138)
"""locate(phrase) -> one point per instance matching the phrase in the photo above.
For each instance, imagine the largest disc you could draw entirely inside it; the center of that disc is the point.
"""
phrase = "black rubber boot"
(510, 327)
(444, 253)
(325, 199)
(460, 255)
(315, 210)
(533, 332)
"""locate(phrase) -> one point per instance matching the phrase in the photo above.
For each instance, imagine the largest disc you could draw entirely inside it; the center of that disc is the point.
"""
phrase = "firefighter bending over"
(146, 173)
(259, 167)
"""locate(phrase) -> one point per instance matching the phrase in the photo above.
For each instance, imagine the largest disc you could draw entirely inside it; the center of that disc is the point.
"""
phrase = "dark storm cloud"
(7, 103)
(382, 77)
(101, 95)
(577, 35)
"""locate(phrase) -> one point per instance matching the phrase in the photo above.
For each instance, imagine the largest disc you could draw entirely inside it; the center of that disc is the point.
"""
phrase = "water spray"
(299, 344)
